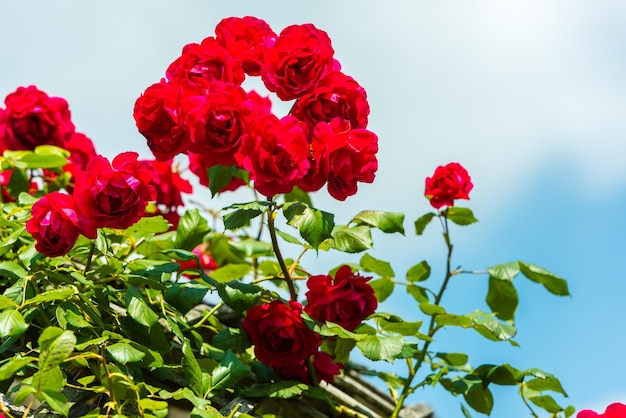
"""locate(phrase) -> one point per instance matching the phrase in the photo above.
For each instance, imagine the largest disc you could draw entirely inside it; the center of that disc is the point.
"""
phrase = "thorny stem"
(271, 216)
(432, 329)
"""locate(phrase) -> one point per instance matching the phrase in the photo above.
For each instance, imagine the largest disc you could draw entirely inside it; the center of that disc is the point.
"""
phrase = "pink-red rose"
(344, 156)
(54, 224)
(33, 118)
(301, 56)
(204, 62)
(217, 121)
(325, 369)
(615, 410)
(448, 183)
(158, 115)
(280, 336)
(347, 299)
(245, 39)
(113, 195)
(276, 153)
(337, 95)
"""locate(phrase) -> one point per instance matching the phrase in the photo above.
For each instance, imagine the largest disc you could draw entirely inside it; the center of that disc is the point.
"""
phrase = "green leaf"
(388, 222)
(123, 352)
(191, 230)
(7, 243)
(45, 156)
(185, 296)
(239, 296)
(502, 298)
(454, 320)
(6, 302)
(454, 359)
(314, 225)
(490, 328)
(231, 272)
(376, 347)
(552, 282)
(460, 216)
(383, 288)
(546, 402)
(298, 195)
(422, 222)
(230, 371)
(352, 239)
(504, 271)
(192, 371)
(239, 218)
(56, 345)
(52, 294)
(231, 339)
(466, 413)
(12, 270)
(57, 401)
(504, 375)
(220, 176)
(419, 293)
(15, 364)
(430, 309)
(147, 226)
(479, 397)
(12, 324)
(418, 273)
(138, 309)
(152, 404)
(281, 389)
(374, 265)
(550, 382)
(288, 237)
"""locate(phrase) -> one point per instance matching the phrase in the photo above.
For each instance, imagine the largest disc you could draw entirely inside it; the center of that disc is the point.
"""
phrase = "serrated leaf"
(6, 302)
(388, 222)
(460, 216)
(489, 327)
(419, 272)
(185, 296)
(504, 271)
(374, 265)
(231, 272)
(12, 324)
(546, 383)
(502, 298)
(125, 353)
(192, 228)
(220, 176)
(546, 402)
(422, 222)
(55, 347)
(239, 218)
(147, 226)
(138, 308)
(282, 389)
(12, 270)
(550, 281)
(376, 347)
(232, 339)
(15, 364)
(314, 225)
(52, 294)
(352, 239)
(230, 371)
(383, 288)
(239, 296)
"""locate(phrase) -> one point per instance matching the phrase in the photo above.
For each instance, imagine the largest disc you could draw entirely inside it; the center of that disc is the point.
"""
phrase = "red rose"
(32, 118)
(169, 184)
(337, 95)
(347, 299)
(245, 38)
(54, 224)
(81, 150)
(345, 156)
(615, 410)
(325, 369)
(217, 121)
(301, 56)
(206, 261)
(199, 166)
(9, 191)
(113, 195)
(449, 182)
(275, 152)
(280, 336)
(201, 63)
(158, 116)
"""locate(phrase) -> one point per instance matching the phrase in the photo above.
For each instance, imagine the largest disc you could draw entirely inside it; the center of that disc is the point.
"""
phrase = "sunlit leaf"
(12, 324)
(550, 281)
(419, 272)
(125, 353)
(388, 222)
(352, 239)
(422, 222)
(374, 265)
(460, 216)
(138, 308)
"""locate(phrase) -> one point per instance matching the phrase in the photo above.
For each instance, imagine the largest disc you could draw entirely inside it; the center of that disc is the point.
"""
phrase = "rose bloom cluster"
(201, 109)
(99, 193)
(283, 341)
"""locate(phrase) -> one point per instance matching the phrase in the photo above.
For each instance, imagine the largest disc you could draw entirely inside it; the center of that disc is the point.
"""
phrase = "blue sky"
(529, 95)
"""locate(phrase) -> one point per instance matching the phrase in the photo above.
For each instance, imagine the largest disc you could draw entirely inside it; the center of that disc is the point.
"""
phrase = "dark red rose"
(276, 153)
(204, 62)
(347, 299)
(207, 262)
(280, 336)
(54, 224)
(113, 195)
(217, 121)
(301, 56)
(199, 166)
(449, 182)
(345, 156)
(325, 369)
(337, 95)
(158, 115)
(245, 39)
(33, 118)
(169, 184)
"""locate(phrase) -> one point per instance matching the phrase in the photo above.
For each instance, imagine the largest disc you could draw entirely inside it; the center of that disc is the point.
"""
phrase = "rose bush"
(97, 254)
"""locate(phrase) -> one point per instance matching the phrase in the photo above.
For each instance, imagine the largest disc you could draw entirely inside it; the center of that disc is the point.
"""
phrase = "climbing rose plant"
(105, 271)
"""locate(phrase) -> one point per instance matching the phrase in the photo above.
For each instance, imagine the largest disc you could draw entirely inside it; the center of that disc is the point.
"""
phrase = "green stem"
(281, 261)
(92, 248)
(432, 329)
